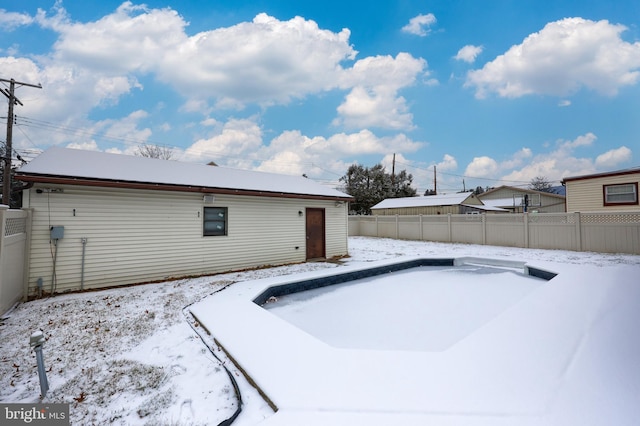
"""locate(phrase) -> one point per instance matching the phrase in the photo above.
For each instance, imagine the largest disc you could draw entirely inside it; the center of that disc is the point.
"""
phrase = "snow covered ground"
(135, 356)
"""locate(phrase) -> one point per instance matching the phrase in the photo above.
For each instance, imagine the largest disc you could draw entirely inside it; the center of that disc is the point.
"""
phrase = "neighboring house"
(104, 220)
(515, 199)
(602, 192)
(457, 203)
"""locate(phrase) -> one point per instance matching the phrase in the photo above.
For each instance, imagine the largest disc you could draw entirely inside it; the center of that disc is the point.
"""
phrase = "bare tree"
(540, 183)
(155, 151)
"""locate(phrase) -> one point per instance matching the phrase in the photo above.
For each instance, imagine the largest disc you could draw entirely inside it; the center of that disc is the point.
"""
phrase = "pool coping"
(301, 374)
(297, 286)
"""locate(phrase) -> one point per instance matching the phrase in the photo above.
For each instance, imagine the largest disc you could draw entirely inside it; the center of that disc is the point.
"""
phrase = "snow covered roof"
(486, 208)
(424, 201)
(61, 164)
(500, 202)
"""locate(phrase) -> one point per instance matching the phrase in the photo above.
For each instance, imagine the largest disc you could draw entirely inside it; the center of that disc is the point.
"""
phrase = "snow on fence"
(617, 232)
(14, 231)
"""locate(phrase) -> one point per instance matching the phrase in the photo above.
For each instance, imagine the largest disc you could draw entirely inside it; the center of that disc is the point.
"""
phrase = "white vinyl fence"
(597, 232)
(14, 232)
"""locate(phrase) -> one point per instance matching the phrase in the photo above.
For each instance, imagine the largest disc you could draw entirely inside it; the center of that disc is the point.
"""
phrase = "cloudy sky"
(489, 92)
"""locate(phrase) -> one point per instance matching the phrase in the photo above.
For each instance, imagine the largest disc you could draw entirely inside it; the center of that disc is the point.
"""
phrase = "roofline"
(530, 191)
(107, 183)
(632, 171)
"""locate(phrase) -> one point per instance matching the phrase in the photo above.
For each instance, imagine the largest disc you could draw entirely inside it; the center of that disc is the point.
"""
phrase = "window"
(626, 193)
(214, 222)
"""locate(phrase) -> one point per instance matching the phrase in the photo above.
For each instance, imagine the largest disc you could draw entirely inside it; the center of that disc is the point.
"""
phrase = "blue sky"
(488, 92)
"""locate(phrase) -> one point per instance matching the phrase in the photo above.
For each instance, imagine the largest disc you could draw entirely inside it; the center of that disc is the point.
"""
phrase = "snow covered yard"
(131, 355)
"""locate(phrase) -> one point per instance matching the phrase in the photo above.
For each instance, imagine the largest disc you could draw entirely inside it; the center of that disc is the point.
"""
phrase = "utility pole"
(393, 170)
(435, 182)
(8, 151)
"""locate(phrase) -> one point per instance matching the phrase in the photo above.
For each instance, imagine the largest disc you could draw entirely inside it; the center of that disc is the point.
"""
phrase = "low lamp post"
(36, 342)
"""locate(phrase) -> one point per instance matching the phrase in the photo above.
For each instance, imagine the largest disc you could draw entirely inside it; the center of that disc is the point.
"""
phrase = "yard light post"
(36, 342)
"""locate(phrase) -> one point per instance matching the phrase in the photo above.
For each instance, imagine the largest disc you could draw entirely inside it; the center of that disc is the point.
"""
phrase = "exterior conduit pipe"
(53, 273)
(190, 318)
(84, 246)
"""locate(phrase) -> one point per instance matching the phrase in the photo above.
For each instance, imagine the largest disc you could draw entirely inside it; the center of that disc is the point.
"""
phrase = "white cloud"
(419, 25)
(448, 163)
(87, 146)
(562, 58)
(374, 99)
(468, 53)
(236, 144)
(240, 144)
(583, 140)
(517, 159)
(11, 20)
(375, 108)
(613, 158)
(563, 161)
(523, 165)
(564, 103)
(482, 167)
(265, 62)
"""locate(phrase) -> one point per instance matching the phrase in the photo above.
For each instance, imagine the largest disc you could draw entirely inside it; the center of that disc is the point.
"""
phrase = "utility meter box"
(57, 232)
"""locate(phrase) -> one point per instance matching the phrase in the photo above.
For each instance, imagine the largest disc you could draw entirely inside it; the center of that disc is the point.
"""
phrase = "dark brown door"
(315, 234)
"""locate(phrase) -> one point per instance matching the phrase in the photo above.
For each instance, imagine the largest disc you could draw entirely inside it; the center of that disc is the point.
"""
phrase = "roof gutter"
(61, 180)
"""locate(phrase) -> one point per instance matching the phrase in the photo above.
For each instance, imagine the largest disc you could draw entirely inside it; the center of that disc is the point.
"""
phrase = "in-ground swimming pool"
(417, 308)
(505, 367)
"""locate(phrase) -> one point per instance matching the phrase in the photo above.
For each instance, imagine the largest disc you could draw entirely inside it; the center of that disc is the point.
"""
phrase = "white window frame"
(620, 194)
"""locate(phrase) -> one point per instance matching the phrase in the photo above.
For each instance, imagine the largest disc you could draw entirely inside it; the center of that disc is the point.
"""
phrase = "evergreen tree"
(369, 186)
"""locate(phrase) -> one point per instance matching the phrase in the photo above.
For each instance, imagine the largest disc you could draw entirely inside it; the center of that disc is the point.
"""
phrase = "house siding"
(586, 195)
(550, 203)
(136, 236)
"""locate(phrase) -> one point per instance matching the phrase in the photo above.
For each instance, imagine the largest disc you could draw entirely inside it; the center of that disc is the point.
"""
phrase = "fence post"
(377, 230)
(27, 255)
(449, 223)
(397, 228)
(525, 220)
(484, 229)
(421, 231)
(578, 231)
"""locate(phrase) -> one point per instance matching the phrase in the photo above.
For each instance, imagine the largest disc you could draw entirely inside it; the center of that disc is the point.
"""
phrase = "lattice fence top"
(566, 218)
(15, 226)
(610, 217)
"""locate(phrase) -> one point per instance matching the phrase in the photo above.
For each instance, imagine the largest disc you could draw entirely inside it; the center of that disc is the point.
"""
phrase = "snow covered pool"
(562, 354)
(425, 308)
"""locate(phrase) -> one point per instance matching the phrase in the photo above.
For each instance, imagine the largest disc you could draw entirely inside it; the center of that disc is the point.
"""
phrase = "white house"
(518, 200)
(101, 220)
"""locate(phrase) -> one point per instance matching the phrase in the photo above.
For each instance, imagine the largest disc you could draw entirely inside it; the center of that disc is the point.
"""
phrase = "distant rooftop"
(424, 201)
